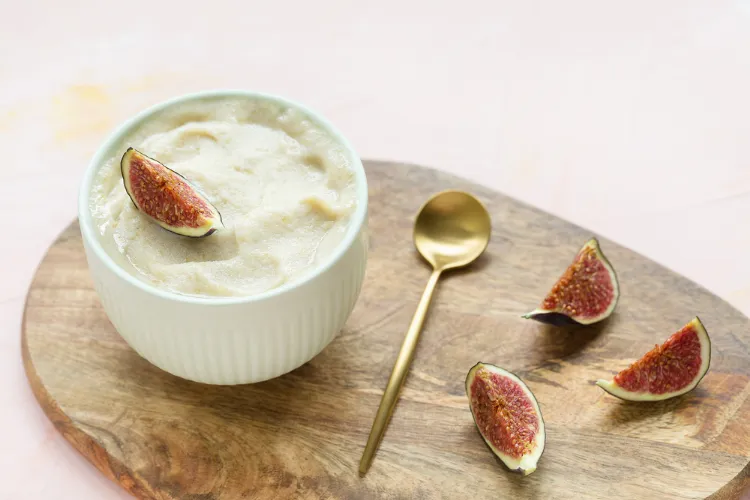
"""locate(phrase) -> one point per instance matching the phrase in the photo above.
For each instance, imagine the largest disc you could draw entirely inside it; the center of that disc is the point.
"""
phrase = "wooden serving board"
(302, 435)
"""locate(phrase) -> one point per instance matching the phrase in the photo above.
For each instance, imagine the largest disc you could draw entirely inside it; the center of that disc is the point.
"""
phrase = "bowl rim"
(91, 237)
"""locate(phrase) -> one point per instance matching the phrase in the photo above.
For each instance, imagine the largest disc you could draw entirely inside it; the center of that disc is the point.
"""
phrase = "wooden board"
(302, 435)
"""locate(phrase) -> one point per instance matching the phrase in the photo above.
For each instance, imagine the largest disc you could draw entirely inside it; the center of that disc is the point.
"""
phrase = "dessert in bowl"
(274, 281)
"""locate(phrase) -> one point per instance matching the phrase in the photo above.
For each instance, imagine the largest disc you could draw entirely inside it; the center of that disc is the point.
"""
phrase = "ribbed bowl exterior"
(234, 343)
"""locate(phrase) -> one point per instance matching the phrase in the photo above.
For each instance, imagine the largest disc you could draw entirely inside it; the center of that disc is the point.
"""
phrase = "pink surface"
(629, 119)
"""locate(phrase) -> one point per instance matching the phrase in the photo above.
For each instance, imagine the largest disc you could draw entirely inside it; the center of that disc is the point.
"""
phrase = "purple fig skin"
(552, 318)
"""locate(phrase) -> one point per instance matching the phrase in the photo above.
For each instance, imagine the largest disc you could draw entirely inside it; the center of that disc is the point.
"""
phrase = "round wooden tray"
(301, 435)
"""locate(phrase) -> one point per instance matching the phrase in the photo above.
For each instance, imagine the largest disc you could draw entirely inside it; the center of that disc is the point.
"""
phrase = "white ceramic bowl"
(233, 340)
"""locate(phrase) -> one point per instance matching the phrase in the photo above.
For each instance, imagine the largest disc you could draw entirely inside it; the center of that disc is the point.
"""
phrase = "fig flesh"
(586, 293)
(166, 197)
(667, 370)
(507, 416)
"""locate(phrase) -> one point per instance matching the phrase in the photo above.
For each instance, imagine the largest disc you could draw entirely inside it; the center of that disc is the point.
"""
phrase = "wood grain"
(301, 435)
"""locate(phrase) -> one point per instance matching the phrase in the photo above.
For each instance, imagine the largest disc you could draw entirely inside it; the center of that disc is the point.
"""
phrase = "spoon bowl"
(452, 230)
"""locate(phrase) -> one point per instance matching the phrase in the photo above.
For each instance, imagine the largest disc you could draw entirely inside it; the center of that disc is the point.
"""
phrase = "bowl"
(229, 340)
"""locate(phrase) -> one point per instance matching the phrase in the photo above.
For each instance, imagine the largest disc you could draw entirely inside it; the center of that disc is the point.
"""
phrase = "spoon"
(452, 229)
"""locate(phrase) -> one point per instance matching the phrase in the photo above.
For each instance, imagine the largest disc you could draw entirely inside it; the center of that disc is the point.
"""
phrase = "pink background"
(632, 120)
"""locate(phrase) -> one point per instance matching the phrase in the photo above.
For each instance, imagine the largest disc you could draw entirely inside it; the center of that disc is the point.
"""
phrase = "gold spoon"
(452, 229)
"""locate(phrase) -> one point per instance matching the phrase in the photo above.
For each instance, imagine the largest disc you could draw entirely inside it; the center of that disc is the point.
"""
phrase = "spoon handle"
(398, 375)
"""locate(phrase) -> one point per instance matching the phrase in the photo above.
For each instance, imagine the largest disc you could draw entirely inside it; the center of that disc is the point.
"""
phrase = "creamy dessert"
(283, 186)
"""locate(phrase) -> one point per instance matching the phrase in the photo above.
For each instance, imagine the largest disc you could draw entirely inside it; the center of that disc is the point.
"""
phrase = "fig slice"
(166, 197)
(667, 370)
(586, 293)
(507, 416)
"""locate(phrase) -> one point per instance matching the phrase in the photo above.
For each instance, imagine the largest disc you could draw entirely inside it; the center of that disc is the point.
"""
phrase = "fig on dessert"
(166, 197)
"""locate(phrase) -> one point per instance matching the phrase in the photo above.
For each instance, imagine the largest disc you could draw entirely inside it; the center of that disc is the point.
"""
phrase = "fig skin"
(528, 463)
(206, 218)
(552, 318)
(557, 316)
(611, 387)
